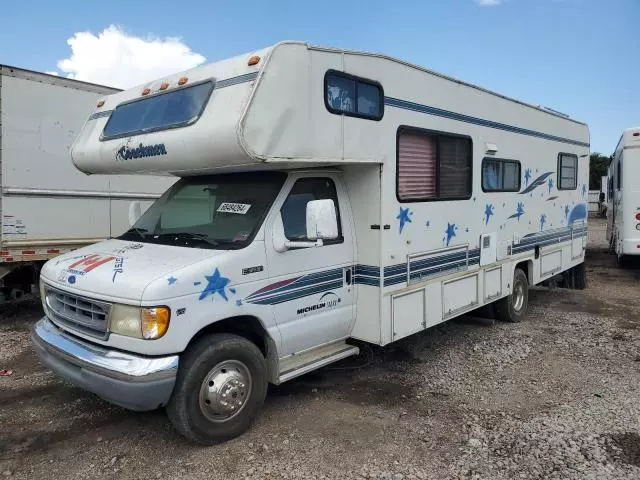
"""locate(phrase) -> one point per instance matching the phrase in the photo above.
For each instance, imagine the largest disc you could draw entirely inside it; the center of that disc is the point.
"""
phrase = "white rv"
(623, 208)
(325, 196)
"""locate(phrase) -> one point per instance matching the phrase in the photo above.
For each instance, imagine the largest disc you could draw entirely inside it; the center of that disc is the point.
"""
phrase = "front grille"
(78, 313)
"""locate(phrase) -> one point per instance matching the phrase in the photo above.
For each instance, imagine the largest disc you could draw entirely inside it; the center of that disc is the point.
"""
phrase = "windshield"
(222, 211)
(175, 108)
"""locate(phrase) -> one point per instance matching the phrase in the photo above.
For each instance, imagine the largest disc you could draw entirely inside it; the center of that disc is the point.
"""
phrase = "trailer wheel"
(514, 307)
(220, 387)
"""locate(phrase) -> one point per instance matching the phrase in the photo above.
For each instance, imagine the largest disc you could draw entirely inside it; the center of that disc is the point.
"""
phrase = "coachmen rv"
(325, 196)
(623, 209)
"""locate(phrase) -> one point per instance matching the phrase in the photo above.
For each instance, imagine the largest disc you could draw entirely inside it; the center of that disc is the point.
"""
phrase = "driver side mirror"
(135, 212)
(322, 221)
(321, 224)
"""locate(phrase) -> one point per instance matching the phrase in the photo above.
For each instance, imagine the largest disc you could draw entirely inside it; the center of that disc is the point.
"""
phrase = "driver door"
(311, 288)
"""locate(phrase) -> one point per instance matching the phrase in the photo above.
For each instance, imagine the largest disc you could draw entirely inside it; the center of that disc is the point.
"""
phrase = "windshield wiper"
(201, 237)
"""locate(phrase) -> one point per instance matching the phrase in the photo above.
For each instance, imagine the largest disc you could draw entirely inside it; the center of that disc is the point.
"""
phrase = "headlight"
(147, 323)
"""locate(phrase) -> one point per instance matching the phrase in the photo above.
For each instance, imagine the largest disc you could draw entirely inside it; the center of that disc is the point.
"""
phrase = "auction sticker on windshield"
(239, 208)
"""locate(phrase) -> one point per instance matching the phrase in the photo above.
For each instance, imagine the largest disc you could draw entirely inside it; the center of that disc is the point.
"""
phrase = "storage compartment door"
(459, 295)
(408, 313)
(550, 262)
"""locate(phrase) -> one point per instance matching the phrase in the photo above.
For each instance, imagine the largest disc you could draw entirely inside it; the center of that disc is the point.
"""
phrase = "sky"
(581, 57)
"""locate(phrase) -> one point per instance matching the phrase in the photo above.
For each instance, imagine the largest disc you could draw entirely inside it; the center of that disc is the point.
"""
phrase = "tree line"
(598, 165)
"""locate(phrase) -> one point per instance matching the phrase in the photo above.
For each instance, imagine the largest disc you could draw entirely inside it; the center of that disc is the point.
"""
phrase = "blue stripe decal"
(305, 292)
(319, 282)
(438, 112)
(304, 281)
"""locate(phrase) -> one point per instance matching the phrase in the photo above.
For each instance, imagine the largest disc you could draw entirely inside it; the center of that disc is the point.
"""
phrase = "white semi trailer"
(49, 207)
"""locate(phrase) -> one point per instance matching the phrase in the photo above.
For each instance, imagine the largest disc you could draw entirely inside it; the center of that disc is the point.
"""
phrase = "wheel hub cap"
(225, 390)
(518, 297)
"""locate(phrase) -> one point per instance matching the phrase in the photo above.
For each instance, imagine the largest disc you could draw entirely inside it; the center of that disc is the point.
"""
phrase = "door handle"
(348, 275)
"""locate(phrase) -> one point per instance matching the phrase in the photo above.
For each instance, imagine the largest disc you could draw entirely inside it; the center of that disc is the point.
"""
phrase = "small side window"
(353, 96)
(500, 175)
(567, 172)
(294, 209)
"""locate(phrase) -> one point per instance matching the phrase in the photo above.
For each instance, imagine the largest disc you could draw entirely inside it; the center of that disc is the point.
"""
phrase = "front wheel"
(221, 385)
(514, 307)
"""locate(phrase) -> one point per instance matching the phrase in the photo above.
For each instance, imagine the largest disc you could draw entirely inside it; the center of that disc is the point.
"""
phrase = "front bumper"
(130, 381)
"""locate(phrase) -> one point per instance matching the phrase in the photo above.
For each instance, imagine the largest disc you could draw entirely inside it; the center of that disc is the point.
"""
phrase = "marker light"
(638, 216)
(100, 103)
(164, 86)
(253, 60)
(636, 134)
(146, 91)
(155, 322)
(183, 80)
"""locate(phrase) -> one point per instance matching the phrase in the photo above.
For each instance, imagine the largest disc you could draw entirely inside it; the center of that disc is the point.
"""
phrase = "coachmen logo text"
(141, 151)
(327, 300)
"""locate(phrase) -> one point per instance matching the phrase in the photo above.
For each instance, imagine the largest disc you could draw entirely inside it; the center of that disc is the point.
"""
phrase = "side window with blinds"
(432, 166)
(567, 172)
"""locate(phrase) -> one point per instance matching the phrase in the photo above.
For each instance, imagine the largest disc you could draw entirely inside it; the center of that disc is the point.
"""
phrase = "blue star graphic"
(451, 232)
(172, 280)
(519, 211)
(488, 211)
(550, 184)
(217, 284)
(527, 177)
(403, 216)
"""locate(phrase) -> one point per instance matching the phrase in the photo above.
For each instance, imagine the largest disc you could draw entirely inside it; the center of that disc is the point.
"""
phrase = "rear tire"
(513, 308)
(220, 388)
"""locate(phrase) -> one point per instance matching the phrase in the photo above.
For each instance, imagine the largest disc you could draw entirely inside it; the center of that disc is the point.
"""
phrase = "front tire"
(513, 308)
(220, 388)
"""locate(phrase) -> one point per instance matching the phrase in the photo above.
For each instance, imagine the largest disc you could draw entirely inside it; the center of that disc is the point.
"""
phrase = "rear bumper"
(130, 381)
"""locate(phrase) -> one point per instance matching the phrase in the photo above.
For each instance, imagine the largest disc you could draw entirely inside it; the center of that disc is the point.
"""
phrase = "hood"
(119, 269)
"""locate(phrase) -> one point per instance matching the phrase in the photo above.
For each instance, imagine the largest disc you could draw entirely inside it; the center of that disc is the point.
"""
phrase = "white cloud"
(117, 59)
(52, 73)
(488, 3)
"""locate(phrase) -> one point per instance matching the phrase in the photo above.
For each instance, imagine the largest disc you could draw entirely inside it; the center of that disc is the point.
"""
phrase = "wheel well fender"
(252, 329)
(527, 267)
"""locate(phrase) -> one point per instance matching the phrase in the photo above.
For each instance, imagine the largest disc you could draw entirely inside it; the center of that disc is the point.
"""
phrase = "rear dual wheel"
(513, 308)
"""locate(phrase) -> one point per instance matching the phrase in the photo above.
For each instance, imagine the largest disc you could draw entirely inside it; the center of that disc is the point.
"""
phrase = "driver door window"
(294, 209)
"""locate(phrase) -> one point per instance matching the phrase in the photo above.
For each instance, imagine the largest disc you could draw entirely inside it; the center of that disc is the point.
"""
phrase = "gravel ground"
(557, 396)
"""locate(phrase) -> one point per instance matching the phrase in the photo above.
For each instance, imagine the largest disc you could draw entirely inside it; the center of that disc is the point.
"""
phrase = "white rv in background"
(325, 196)
(623, 209)
(48, 207)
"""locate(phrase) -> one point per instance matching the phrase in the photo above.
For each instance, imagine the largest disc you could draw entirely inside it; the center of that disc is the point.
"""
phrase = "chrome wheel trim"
(225, 390)
(517, 297)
